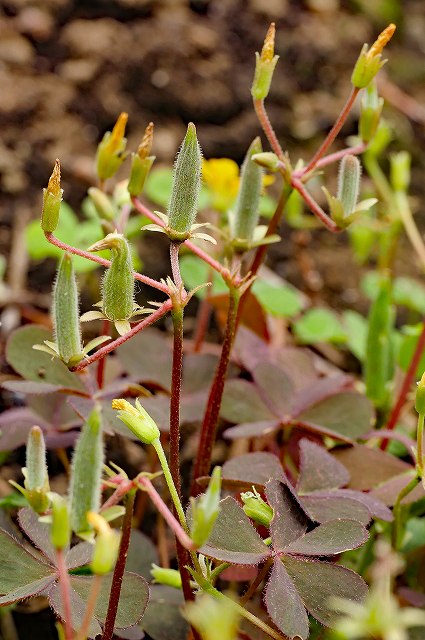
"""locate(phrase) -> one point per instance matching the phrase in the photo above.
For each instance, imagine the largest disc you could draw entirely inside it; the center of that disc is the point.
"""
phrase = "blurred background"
(68, 68)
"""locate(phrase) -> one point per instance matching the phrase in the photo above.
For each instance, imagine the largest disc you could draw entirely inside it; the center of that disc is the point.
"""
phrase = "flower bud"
(141, 163)
(35, 472)
(60, 533)
(111, 151)
(420, 396)
(137, 420)
(370, 113)
(370, 60)
(213, 618)
(169, 577)
(267, 159)
(349, 183)
(264, 66)
(106, 547)
(87, 465)
(183, 205)
(118, 281)
(66, 319)
(52, 198)
(400, 170)
(103, 205)
(256, 508)
(245, 217)
(205, 510)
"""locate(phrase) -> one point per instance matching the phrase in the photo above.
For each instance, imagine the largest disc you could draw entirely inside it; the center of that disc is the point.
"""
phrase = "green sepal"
(263, 76)
(140, 168)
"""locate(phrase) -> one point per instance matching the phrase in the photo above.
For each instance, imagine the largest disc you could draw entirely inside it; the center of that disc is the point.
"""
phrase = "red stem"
(267, 127)
(315, 208)
(100, 373)
(118, 576)
(176, 383)
(193, 247)
(407, 383)
(334, 131)
(103, 351)
(334, 157)
(175, 267)
(105, 263)
(65, 588)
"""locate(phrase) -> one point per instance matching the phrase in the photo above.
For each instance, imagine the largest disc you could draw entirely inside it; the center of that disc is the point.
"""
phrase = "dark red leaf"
(275, 388)
(389, 491)
(252, 429)
(242, 403)
(369, 467)
(376, 507)
(348, 415)
(319, 470)
(258, 467)
(324, 506)
(284, 605)
(38, 532)
(328, 539)
(147, 357)
(15, 425)
(290, 520)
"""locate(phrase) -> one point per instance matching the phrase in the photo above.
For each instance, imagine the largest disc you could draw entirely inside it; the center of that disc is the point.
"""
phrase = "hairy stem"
(398, 512)
(176, 384)
(334, 157)
(410, 227)
(314, 206)
(175, 266)
(65, 587)
(100, 373)
(114, 596)
(210, 421)
(90, 609)
(267, 127)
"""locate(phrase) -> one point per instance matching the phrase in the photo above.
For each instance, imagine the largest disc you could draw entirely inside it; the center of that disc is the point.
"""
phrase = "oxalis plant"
(294, 513)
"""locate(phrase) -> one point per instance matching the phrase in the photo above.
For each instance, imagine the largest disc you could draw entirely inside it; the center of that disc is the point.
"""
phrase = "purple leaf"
(275, 388)
(141, 554)
(346, 414)
(324, 506)
(15, 425)
(389, 491)
(198, 372)
(252, 429)
(27, 387)
(163, 619)
(78, 609)
(22, 575)
(319, 470)
(242, 403)
(79, 555)
(258, 467)
(369, 467)
(299, 365)
(290, 520)
(328, 539)
(319, 390)
(233, 538)
(317, 582)
(377, 508)
(284, 605)
(38, 532)
(147, 357)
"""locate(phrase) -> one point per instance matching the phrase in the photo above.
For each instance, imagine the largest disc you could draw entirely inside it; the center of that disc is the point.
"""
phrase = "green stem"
(170, 484)
(409, 224)
(218, 570)
(379, 179)
(398, 511)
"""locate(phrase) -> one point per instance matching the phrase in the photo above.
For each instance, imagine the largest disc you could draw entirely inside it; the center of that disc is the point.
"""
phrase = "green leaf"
(363, 239)
(196, 272)
(37, 365)
(13, 500)
(409, 293)
(281, 301)
(356, 328)
(319, 325)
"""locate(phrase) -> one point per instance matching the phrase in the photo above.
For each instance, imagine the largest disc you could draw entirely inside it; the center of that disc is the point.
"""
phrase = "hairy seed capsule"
(246, 210)
(66, 313)
(87, 465)
(36, 467)
(183, 205)
(349, 183)
(52, 198)
(60, 532)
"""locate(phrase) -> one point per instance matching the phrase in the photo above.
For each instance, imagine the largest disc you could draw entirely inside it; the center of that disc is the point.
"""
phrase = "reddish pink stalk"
(101, 353)
(266, 125)
(315, 208)
(100, 373)
(406, 386)
(193, 247)
(334, 157)
(172, 522)
(65, 588)
(334, 131)
(118, 495)
(105, 263)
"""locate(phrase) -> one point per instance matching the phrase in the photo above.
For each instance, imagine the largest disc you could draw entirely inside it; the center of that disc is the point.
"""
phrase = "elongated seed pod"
(118, 284)
(66, 319)
(246, 210)
(349, 183)
(36, 467)
(183, 205)
(87, 465)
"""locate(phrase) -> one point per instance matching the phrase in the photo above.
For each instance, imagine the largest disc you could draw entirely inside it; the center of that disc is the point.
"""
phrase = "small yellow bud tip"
(146, 144)
(119, 129)
(122, 405)
(98, 523)
(381, 41)
(267, 52)
(54, 185)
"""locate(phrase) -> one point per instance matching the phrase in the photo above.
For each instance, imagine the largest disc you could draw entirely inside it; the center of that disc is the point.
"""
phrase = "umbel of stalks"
(246, 214)
(183, 205)
(66, 313)
(52, 198)
(87, 465)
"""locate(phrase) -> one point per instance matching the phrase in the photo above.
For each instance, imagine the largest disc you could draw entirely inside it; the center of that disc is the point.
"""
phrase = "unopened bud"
(111, 151)
(137, 420)
(103, 205)
(60, 533)
(66, 319)
(246, 214)
(420, 396)
(87, 465)
(267, 159)
(205, 510)
(169, 577)
(183, 205)
(256, 508)
(264, 66)
(52, 198)
(371, 109)
(141, 163)
(400, 170)
(370, 60)
(35, 472)
(106, 547)
(349, 183)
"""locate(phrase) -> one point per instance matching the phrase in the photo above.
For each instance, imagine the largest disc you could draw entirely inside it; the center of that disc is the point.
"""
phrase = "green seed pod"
(205, 510)
(35, 472)
(349, 183)
(52, 198)
(379, 363)
(183, 205)
(66, 319)
(87, 465)
(137, 420)
(103, 205)
(141, 163)
(111, 151)
(400, 170)
(169, 577)
(264, 66)
(370, 114)
(60, 533)
(256, 508)
(118, 281)
(246, 214)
